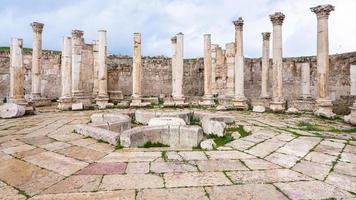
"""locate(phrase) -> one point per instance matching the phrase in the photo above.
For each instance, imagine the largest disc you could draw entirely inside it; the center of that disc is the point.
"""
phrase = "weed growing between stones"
(221, 140)
(150, 144)
(306, 126)
(194, 121)
(164, 156)
(240, 129)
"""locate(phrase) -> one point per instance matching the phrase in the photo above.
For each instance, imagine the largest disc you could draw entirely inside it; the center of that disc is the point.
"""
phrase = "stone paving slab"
(9, 193)
(265, 176)
(220, 165)
(196, 193)
(131, 157)
(168, 167)
(345, 168)
(265, 148)
(77, 183)
(193, 155)
(311, 190)
(82, 153)
(249, 191)
(321, 158)
(138, 167)
(103, 169)
(283, 159)
(110, 195)
(300, 146)
(56, 162)
(218, 155)
(342, 181)
(55, 146)
(259, 164)
(131, 181)
(240, 144)
(315, 170)
(195, 179)
(17, 149)
(27, 177)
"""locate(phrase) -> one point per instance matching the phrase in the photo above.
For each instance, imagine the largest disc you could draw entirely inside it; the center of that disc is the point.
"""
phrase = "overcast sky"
(159, 20)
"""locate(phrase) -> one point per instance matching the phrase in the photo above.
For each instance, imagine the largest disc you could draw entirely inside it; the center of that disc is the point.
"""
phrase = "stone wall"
(157, 75)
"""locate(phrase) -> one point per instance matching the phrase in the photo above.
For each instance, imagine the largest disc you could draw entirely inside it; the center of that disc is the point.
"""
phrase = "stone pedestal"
(115, 96)
(102, 99)
(265, 66)
(278, 103)
(323, 100)
(65, 101)
(351, 118)
(239, 101)
(207, 99)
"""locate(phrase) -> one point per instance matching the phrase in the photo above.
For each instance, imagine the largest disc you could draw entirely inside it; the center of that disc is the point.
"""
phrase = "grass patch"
(350, 130)
(164, 155)
(306, 126)
(194, 121)
(221, 140)
(102, 141)
(118, 146)
(239, 129)
(197, 148)
(150, 144)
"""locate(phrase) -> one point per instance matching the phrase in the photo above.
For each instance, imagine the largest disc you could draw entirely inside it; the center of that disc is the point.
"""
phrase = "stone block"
(211, 126)
(77, 106)
(171, 121)
(190, 136)
(143, 116)
(11, 110)
(98, 133)
(259, 109)
(208, 144)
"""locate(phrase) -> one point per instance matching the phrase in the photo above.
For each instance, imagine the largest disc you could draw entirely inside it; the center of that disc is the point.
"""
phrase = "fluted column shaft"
(36, 59)
(265, 65)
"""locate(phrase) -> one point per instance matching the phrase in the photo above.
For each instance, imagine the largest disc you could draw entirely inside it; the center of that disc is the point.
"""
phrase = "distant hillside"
(26, 50)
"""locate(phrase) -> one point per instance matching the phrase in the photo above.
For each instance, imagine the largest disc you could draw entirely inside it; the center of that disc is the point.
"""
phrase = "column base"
(225, 103)
(306, 105)
(208, 100)
(29, 108)
(115, 96)
(324, 108)
(137, 102)
(351, 118)
(103, 102)
(41, 101)
(86, 101)
(240, 103)
(277, 106)
(65, 103)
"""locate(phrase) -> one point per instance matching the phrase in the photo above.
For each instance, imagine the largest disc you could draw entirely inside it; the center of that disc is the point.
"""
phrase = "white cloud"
(158, 20)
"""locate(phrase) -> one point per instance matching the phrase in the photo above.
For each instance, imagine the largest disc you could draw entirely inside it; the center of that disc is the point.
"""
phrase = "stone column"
(239, 100)
(102, 98)
(137, 73)
(65, 101)
(265, 65)
(230, 65)
(208, 96)
(174, 65)
(77, 44)
(214, 50)
(306, 81)
(17, 73)
(96, 67)
(36, 60)
(323, 100)
(278, 102)
(178, 96)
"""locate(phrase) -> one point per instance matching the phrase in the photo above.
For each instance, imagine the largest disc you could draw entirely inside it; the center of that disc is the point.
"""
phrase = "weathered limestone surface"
(277, 104)
(65, 101)
(143, 116)
(239, 98)
(323, 97)
(208, 95)
(98, 133)
(265, 65)
(10, 110)
(102, 97)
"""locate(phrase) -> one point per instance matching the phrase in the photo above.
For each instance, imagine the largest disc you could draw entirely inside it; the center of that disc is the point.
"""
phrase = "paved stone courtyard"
(42, 158)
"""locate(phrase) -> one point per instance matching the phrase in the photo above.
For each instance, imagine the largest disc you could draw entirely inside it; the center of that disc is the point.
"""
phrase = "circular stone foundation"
(143, 116)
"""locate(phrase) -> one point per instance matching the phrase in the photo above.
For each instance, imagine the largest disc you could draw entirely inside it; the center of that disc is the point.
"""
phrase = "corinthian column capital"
(37, 27)
(277, 18)
(239, 23)
(322, 11)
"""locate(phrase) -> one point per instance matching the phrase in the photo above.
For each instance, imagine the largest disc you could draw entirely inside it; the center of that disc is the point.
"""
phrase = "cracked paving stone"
(265, 148)
(311, 190)
(17, 149)
(137, 167)
(217, 155)
(82, 153)
(299, 147)
(240, 144)
(345, 168)
(259, 164)
(320, 158)
(103, 169)
(9, 193)
(131, 157)
(193, 155)
(55, 146)
(348, 157)
(110, 195)
(342, 181)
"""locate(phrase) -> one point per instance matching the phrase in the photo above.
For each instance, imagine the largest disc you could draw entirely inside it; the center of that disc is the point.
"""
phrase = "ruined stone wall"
(157, 75)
